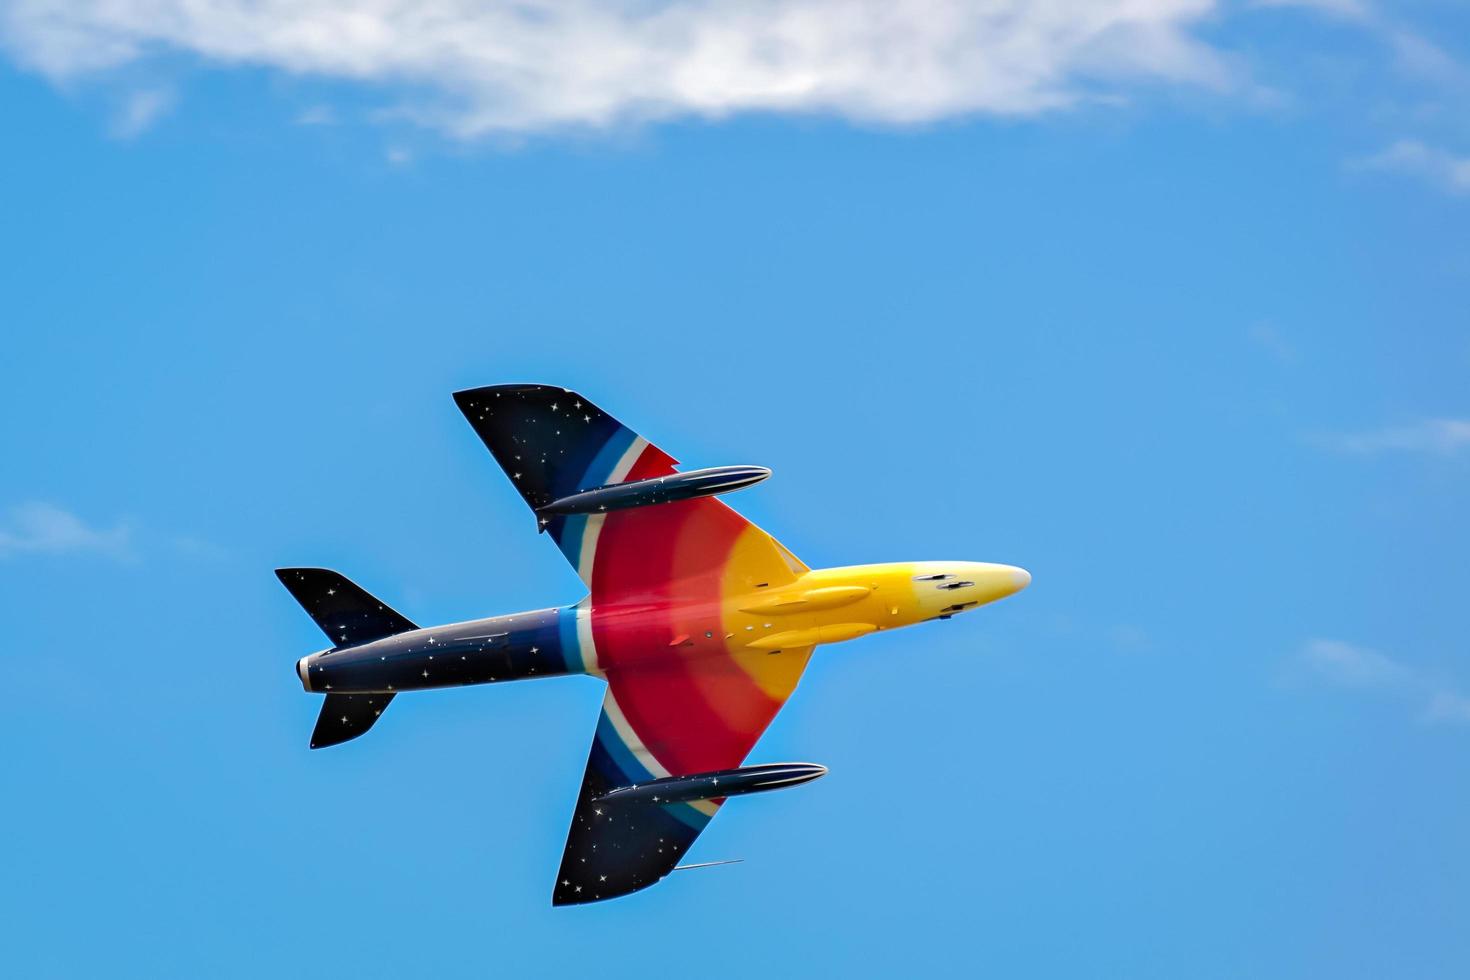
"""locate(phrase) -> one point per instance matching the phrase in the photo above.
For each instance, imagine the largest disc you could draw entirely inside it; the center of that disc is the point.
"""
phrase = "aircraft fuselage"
(822, 606)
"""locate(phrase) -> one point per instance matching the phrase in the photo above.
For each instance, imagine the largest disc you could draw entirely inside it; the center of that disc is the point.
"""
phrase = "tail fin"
(346, 716)
(346, 613)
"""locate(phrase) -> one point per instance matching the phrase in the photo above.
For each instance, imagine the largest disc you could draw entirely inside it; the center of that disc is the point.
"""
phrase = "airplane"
(700, 622)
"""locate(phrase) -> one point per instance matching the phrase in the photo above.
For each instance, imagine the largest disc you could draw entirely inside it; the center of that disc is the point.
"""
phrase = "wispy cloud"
(1413, 53)
(1271, 340)
(1414, 158)
(1357, 10)
(44, 529)
(1420, 56)
(139, 111)
(1440, 437)
(1351, 667)
(515, 66)
(1439, 79)
(317, 115)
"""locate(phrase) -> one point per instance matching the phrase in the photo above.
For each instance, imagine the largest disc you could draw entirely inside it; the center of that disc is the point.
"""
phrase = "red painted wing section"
(657, 592)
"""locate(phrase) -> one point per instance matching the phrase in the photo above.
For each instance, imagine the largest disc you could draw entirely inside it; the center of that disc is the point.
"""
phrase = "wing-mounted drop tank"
(716, 785)
(657, 490)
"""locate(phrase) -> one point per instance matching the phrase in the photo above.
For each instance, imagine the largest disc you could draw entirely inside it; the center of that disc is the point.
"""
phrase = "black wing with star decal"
(552, 442)
(617, 848)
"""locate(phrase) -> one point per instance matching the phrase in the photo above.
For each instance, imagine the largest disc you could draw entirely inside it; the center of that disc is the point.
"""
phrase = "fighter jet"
(700, 622)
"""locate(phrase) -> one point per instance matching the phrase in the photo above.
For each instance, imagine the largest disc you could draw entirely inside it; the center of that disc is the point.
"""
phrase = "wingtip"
(504, 389)
(286, 570)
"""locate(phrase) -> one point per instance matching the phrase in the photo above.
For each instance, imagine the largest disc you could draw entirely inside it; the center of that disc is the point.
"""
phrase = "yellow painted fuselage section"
(770, 629)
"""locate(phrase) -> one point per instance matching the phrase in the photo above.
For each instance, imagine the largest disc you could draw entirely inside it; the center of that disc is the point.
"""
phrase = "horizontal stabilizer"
(346, 613)
(346, 716)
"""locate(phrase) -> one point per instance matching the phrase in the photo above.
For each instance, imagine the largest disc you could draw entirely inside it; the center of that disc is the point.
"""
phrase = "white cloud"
(508, 66)
(1418, 159)
(1441, 437)
(41, 528)
(1345, 665)
(140, 110)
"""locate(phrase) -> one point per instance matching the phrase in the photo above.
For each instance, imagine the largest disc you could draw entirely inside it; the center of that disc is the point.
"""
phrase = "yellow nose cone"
(1020, 578)
(943, 588)
(994, 582)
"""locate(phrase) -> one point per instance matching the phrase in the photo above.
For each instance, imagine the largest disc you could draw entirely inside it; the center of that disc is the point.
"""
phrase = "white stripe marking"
(630, 738)
(585, 646)
(593, 529)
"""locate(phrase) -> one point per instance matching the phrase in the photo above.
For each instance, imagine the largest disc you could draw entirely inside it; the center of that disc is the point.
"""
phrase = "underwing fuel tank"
(715, 785)
(658, 490)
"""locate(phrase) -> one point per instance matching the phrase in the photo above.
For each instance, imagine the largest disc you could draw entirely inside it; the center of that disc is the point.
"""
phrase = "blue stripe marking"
(687, 815)
(571, 644)
(628, 765)
(598, 473)
(633, 771)
(569, 536)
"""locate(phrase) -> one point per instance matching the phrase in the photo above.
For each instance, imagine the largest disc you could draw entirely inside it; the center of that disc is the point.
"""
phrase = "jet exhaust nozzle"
(715, 785)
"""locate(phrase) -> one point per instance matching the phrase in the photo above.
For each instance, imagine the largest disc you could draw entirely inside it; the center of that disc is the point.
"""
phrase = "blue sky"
(1169, 308)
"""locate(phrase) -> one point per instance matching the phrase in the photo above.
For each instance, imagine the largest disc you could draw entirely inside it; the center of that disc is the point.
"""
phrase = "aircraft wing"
(684, 694)
(699, 718)
(553, 443)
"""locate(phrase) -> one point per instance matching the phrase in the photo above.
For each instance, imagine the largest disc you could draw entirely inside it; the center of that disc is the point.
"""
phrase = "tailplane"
(349, 616)
(346, 716)
(346, 613)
